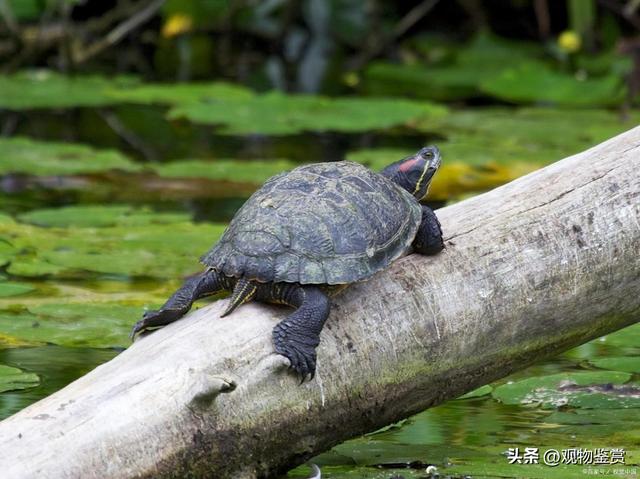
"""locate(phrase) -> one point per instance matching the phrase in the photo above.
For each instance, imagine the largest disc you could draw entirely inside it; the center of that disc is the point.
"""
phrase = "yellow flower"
(177, 24)
(569, 41)
(351, 79)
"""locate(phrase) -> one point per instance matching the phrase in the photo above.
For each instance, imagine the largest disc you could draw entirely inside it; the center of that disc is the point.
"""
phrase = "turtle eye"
(427, 153)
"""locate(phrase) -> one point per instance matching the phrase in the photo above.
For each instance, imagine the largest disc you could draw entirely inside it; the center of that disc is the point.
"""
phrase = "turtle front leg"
(196, 287)
(428, 239)
(298, 335)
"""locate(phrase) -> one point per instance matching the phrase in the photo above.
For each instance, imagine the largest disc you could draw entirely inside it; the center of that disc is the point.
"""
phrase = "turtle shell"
(324, 223)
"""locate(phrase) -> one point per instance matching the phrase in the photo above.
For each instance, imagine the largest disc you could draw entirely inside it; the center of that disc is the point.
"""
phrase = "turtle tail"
(243, 291)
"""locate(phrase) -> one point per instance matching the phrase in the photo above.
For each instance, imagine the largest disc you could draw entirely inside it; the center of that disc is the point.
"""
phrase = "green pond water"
(105, 208)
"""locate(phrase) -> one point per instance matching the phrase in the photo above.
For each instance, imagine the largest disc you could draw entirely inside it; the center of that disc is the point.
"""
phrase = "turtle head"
(414, 173)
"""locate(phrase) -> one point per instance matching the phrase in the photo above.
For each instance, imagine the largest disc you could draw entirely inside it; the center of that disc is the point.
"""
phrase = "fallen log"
(531, 269)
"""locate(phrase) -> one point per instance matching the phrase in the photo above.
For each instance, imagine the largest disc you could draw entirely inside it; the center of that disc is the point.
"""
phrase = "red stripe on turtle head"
(409, 164)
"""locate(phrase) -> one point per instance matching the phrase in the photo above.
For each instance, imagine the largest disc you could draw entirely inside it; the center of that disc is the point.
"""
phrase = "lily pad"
(418, 81)
(6, 252)
(31, 267)
(535, 82)
(47, 89)
(491, 52)
(139, 262)
(152, 250)
(579, 389)
(485, 148)
(7, 341)
(629, 364)
(491, 66)
(12, 379)
(100, 216)
(181, 93)
(22, 155)
(75, 325)
(628, 337)
(280, 114)
(478, 392)
(256, 171)
(539, 135)
(483, 58)
(10, 288)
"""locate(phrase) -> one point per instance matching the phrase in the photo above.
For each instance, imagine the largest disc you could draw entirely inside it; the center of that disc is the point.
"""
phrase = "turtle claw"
(137, 328)
(154, 318)
(142, 325)
(301, 361)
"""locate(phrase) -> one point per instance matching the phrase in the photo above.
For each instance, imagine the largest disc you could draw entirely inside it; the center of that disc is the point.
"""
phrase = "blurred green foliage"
(449, 51)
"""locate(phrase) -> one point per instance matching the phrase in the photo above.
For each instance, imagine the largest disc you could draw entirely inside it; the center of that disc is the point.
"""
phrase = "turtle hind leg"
(297, 336)
(428, 239)
(196, 287)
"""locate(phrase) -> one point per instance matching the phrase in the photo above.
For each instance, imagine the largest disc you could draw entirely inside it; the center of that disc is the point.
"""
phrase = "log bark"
(531, 269)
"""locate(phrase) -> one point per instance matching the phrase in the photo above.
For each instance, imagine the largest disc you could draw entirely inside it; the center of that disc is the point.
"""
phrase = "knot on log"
(207, 386)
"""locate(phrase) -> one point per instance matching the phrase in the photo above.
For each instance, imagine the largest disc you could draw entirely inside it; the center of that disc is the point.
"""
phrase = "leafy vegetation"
(73, 325)
(535, 82)
(630, 364)
(100, 216)
(278, 114)
(112, 240)
(482, 148)
(22, 155)
(38, 89)
(180, 94)
(512, 71)
(14, 378)
(255, 172)
(628, 339)
(455, 77)
(478, 392)
(11, 288)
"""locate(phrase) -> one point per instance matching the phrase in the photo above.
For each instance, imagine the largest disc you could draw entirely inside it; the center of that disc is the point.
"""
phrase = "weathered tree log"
(531, 269)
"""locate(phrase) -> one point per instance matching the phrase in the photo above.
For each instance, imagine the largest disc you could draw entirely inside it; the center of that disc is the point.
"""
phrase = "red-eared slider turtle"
(306, 231)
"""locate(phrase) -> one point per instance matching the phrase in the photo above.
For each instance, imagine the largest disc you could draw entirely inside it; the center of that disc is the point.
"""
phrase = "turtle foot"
(153, 319)
(302, 358)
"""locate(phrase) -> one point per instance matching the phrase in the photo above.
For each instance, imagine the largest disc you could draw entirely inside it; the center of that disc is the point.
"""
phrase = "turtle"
(306, 234)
